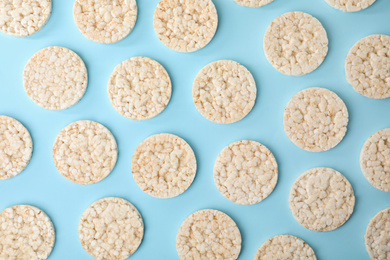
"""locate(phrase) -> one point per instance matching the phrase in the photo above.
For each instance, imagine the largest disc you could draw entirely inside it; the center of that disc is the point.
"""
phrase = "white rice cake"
(224, 92)
(22, 18)
(164, 166)
(245, 172)
(375, 160)
(285, 247)
(15, 147)
(316, 119)
(350, 5)
(377, 236)
(26, 232)
(367, 66)
(55, 78)
(105, 21)
(321, 199)
(111, 228)
(295, 43)
(208, 234)
(185, 25)
(253, 3)
(139, 88)
(85, 152)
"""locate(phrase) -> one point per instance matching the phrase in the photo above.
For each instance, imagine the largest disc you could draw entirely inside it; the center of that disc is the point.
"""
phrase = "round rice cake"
(164, 166)
(377, 237)
(55, 78)
(23, 18)
(105, 21)
(285, 247)
(139, 88)
(321, 199)
(253, 3)
(245, 172)
(26, 232)
(15, 147)
(185, 25)
(111, 228)
(350, 5)
(375, 160)
(367, 66)
(208, 234)
(224, 92)
(315, 119)
(295, 43)
(85, 152)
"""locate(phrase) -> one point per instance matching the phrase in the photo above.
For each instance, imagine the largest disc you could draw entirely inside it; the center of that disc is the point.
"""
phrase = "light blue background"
(239, 37)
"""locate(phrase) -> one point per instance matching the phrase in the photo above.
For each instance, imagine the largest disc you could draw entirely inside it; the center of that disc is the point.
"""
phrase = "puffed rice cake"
(285, 247)
(377, 237)
(367, 66)
(208, 234)
(350, 5)
(315, 119)
(245, 172)
(139, 88)
(185, 25)
(253, 3)
(375, 160)
(26, 232)
(164, 166)
(224, 92)
(295, 43)
(15, 147)
(105, 21)
(85, 152)
(55, 78)
(111, 228)
(24, 17)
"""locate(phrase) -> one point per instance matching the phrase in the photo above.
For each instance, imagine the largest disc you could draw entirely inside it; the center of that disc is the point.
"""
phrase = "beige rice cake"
(367, 66)
(285, 247)
(139, 88)
(350, 5)
(55, 78)
(185, 25)
(295, 43)
(105, 21)
(23, 18)
(377, 236)
(253, 3)
(164, 166)
(321, 199)
(111, 228)
(375, 160)
(26, 232)
(208, 234)
(224, 92)
(245, 172)
(315, 119)
(15, 147)
(85, 152)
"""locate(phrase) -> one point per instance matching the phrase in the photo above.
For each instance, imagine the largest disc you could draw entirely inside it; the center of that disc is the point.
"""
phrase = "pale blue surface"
(239, 37)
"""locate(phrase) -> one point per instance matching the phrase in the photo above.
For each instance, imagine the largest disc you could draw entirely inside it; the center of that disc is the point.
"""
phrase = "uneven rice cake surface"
(285, 247)
(208, 234)
(24, 17)
(85, 152)
(367, 66)
(105, 21)
(246, 172)
(224, 92)
(315, 119)
(26, 232)
(350, 5)
(139, 88)
(295, 43)
(377, 236)
(185, 25)
(321, 199)
(164, 166)
(253, 3)
(375, 160)
(55, 78)
(111, 228)
(15, 147)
